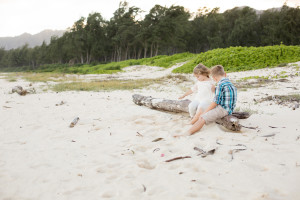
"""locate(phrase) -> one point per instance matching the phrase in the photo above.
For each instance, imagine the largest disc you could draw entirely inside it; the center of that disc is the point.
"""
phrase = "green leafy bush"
(244, 58)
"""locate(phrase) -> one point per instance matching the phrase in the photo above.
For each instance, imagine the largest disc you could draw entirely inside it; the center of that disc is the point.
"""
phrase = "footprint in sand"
(145, 164)
(108, 194)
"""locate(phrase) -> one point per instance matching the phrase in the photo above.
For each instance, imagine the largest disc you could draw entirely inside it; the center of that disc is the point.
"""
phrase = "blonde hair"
(201, 69)
(217, 70)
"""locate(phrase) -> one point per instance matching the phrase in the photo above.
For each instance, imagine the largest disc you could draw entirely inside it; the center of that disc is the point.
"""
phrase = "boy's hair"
(217, 70)
(201, 69)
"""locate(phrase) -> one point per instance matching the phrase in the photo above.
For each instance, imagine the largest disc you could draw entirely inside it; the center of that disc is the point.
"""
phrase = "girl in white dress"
(204, 89)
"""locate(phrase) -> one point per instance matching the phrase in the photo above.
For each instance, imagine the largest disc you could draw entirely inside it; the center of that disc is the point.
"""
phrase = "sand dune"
(110, 153)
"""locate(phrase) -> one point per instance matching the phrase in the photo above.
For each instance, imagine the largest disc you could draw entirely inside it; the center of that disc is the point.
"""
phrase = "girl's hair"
(201, 69)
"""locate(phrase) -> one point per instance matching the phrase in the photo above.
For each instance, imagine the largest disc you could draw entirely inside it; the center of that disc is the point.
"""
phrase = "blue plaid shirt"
(226, 95)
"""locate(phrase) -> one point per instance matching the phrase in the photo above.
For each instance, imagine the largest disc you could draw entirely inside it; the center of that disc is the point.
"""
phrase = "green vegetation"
(109, 68)
(244, 58)
(105, 85)
(93, 40)
(39, 77)
(254, 77)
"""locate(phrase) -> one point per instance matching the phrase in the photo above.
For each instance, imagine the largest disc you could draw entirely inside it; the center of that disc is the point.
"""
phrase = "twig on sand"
(157, 149)
(157, 139)
(276, 127)
(178, 158)
(298, 137)
(144, 187)
(204, 153)
(269, 135)
(233, 151)
(138, 134)
(249, 127)
(74, 122)
(200, 150)
(217, 141)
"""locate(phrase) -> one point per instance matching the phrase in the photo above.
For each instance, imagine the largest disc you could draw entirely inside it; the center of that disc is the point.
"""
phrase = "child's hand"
(181, 97)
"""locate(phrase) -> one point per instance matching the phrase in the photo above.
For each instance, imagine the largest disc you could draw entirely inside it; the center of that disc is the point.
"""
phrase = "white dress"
(203, 98)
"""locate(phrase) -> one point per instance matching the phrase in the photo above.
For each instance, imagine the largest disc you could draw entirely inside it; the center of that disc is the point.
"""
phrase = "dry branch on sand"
(230, 122)
(18, 89)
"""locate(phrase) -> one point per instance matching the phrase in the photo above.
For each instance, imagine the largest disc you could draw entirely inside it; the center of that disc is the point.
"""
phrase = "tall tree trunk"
(120, 54)
(145, 50)
(134, 52)
(139, 53)
(126, 52)
(156, 51)
(81, 58)
(151, 49)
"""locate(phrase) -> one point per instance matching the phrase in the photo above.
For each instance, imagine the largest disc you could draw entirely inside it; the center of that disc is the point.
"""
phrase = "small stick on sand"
(178, 158)
(237, 150)
(157, 149)
(157, 139)
(204, 153)
(200, 150)
(276, 127)
(249, 127)
(74, 122)
(270, 135)
(144, 188)
(217, 141)
(138, 134)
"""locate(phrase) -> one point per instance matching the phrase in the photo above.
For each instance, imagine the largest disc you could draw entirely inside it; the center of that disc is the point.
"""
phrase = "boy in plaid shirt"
(224, 100)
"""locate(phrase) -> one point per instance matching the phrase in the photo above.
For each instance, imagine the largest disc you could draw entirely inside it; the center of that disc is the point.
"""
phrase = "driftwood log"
(230, 122)
(18, 89)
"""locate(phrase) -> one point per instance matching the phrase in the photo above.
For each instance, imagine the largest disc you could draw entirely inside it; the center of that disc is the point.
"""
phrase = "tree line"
(162, 31)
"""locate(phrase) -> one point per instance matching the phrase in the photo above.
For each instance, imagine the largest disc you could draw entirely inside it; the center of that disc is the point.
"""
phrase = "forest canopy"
(170, 30)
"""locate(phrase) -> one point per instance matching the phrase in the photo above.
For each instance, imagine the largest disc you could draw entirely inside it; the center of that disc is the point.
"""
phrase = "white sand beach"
(110, 153)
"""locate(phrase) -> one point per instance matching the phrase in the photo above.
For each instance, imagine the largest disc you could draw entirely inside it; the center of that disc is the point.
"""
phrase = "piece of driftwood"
(230, 122)
(178, 158)
(203, 153)
(157, 139)
(161, 104)
(74, 122)
(18, 89)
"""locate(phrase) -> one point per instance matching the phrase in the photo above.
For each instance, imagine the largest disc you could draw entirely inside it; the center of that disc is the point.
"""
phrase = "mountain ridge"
(31, 39)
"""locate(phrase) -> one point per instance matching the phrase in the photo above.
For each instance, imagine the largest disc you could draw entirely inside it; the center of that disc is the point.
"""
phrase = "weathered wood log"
(18, 89)
(230, 122)
(161, 104)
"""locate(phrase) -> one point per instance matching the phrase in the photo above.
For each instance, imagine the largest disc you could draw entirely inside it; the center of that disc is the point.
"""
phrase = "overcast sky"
(33, 16)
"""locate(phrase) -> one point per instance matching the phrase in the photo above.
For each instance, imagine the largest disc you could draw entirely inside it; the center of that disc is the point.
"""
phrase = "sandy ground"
(110, 153)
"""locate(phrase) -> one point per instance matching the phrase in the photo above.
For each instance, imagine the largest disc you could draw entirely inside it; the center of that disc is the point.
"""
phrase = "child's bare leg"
(197, 126)
(196, 117)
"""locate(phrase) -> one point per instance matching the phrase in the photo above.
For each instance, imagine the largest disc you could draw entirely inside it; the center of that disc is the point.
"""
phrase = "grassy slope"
(233, 59)
(244, 58)
(109, 68)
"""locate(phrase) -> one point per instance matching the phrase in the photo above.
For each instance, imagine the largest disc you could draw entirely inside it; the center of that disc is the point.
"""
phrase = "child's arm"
(213, 88)
(186, 94)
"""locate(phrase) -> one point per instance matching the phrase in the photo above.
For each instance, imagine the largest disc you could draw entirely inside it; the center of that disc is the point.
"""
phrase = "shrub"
(244, 58)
